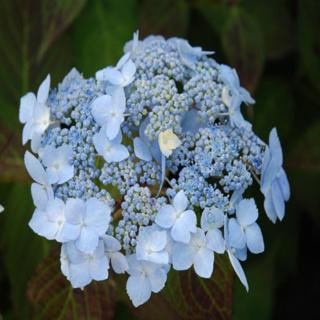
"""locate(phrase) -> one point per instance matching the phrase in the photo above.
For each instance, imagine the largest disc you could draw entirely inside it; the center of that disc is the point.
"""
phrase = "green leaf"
(243, 45)
(166, 18)
(100, 32)
(53, 297)
(27, 31)
(308, 37)
(276, 24)
(22, 248)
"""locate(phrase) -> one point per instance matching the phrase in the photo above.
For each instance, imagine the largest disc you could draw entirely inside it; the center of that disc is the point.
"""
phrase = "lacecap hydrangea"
(145, 167)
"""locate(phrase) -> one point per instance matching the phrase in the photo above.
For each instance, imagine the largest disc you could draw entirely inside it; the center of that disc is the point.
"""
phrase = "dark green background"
(274, 45)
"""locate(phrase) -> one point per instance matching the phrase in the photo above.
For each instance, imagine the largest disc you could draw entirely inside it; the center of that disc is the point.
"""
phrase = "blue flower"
(81, 268)
(233, 95)
(176, 217)
(112, 249)
(236, 265)
(122, 75)
(35, 114)
(89, 220)
(57, 162)
(189, 55)
(50, 221)
(145, 277)
(151, 245)
(197, 252)
(108, 112)
(274, 182)
(111, 150)
(244, 231)
(212, 219)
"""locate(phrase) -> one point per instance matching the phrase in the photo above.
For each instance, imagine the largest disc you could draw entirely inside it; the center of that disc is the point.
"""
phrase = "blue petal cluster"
(146, 166)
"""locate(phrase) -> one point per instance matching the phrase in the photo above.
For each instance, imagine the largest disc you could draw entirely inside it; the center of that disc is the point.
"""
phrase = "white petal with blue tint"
(254, 237)
(141, 149)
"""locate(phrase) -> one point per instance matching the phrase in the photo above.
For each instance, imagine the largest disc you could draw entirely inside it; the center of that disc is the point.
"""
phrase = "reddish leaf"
(53, 298)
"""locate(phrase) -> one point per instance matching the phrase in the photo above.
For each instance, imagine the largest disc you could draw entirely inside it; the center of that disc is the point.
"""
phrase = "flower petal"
(27, 103)
(247, 212)
(141, 149)
(284, 185)
(236, 234)
(40, 196)
(238, 270)
(119, 262)
(215, 240)
(99, 269)
(43, 90)
(203, 262)
(254, 238)
(138, 289)
(118, 153)
(277, 199)
(158, 279)
(180, 201)
(183, 226)
(166, 216)
(79, 275)
(98, 216)
(75, 210)
(182, 256)
(87, 241)
(35, 168)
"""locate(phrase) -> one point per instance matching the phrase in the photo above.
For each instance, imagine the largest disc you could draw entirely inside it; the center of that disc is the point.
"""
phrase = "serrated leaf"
(100, 32)
(167, 18)
(243, 45)
(53, 297)
(194, 298)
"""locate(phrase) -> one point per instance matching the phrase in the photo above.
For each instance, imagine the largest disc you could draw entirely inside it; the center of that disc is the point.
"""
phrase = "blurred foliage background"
(274, 45)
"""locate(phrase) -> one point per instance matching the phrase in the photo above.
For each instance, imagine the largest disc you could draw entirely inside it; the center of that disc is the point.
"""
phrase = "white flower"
(211, 220)
(41, 190)
(244, 231)
(35, 114)
(182, 222)
(188, 54)
(57, 161)
(1, 208)
(90, 220)
(122, 75)
(168, 142)
(145, 277)
(151, 245)
(233, 95)
(197, 253)
(233, 260)
(111, 150)
(51, 223)
(81, 268)
(112, 250)
(108, 111)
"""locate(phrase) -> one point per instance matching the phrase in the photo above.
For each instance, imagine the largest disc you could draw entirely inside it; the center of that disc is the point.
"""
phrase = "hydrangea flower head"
(146, 166)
